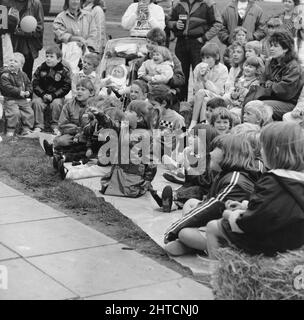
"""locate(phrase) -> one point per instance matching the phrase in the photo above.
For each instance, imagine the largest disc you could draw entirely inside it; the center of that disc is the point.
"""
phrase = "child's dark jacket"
(274, 221)
(12, 84)
(71, 117)
(54, 81)
(227, 185)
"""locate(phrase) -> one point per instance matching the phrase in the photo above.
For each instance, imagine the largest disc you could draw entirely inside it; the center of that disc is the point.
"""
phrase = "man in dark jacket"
(194, 22)
(242, 13)
(27, 43)
(51, 83)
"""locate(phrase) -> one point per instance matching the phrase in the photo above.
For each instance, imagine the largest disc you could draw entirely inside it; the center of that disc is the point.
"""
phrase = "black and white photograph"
(151, 153)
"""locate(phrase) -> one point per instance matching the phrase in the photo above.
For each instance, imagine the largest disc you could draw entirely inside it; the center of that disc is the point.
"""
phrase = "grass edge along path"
(24, 166)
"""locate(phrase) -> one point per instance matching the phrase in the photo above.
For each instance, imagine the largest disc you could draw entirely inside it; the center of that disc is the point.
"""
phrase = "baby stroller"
(122, 51)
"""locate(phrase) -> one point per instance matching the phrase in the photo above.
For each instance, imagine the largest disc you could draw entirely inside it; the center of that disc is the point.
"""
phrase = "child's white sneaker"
(37, 130)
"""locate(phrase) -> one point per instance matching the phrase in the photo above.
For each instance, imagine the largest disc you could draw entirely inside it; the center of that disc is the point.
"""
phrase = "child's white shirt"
(160, 72)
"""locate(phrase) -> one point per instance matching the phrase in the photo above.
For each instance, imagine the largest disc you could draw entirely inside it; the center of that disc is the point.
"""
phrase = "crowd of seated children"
(16, 89)
(272, 220)
(51, 83)
(197, 179)
(217, 180)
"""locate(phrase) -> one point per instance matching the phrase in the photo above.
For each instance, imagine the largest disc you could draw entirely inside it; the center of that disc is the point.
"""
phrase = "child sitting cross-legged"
(273, 219)
(194, 160)
(159, 69)
(51, 83)
(17, 89)
(71, 144)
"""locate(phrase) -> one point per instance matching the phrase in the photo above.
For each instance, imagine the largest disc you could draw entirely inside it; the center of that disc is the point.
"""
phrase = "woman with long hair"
(76, 24)
(282, 80)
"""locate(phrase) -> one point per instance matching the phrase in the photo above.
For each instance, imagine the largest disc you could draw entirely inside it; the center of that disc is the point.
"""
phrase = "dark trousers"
(28, 65)
(188, 52)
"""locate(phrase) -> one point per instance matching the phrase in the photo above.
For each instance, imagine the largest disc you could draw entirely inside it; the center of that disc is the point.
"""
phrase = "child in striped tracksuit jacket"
(234, 158)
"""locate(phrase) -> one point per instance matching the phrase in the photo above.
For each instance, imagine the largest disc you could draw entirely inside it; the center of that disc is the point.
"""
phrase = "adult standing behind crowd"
(244, 13)
(76, 24)
(194, 22)
(95, 7)
(9, 22)
(283, 80)
(289, 15)
(28, 43)
(142, 16)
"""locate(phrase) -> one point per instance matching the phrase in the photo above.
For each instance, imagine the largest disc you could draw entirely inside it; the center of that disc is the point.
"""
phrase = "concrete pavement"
(47, 255)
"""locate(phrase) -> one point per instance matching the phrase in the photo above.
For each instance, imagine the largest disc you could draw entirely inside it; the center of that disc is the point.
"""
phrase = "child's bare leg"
(193, 238)
(202, 116)
(176, 248)
(214, 237)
